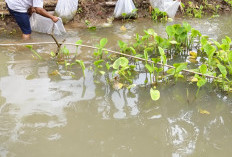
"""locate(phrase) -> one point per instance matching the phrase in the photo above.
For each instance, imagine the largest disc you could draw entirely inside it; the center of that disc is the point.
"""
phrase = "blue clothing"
(23, 20)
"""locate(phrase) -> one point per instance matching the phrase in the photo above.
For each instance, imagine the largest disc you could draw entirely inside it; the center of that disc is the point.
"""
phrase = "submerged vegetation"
(205, 61)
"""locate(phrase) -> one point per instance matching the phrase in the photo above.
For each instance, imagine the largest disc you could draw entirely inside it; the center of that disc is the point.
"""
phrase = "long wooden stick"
(104, 49)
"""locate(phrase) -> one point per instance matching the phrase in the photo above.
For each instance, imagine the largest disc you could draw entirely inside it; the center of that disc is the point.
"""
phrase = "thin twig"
(115, 52)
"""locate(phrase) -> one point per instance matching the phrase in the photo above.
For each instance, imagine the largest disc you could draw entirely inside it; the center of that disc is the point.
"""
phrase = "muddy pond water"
(67, 115)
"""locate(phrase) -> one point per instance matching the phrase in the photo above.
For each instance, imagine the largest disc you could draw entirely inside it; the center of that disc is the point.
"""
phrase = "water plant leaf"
(149, 68)
(170, 31)
(52, 54)
(173, 42)
(118, 85)
(102, 72)
(108, 66)
(55, 73)
(204, 112)
(82, 64)
(163, 56)
(187, 26)
(193, 54)
(122, 61)
(201, 82)
(98, 62)
(194, 79)
(123, 28)
(79, 42)
(230, 56)
(155, 94)
(103, 42)
(203, 69)
(180, 66)
(133, 50)
(222, 70)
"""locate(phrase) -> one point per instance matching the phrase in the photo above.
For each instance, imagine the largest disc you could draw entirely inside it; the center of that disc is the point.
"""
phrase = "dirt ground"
(95, 11)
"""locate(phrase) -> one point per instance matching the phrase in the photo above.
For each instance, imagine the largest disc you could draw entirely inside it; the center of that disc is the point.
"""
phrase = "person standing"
(21, 11)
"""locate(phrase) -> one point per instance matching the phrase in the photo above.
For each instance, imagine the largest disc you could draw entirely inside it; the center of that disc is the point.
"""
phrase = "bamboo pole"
(104, 49)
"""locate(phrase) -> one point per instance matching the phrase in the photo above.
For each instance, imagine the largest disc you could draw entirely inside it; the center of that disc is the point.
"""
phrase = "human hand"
(31, 10)
(55, 19)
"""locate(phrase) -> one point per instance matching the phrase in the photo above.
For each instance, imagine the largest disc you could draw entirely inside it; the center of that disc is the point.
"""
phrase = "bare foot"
(26, 36)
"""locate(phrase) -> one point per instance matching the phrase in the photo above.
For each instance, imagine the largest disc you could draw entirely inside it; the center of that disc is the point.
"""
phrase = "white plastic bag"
(168, 6)
(66, 9)
(42, 24)
(124, 6)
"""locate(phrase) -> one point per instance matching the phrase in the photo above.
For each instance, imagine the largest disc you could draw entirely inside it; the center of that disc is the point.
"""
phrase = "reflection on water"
(68, 115)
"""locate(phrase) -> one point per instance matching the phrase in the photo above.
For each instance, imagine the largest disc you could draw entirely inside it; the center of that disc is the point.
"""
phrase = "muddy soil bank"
(98, 11)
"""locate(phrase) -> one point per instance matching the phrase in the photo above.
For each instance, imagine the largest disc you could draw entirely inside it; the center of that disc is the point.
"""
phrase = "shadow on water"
(68, 115)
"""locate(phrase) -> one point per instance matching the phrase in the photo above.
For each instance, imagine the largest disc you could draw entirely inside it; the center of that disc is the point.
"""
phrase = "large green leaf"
(201, 82)
(155, 94)
(180, 66)
(163, 56)
(222, 70)
(103, 42)
(187, 26)
(149, 68)
(203, 69)
(170, 31)
(122, 61)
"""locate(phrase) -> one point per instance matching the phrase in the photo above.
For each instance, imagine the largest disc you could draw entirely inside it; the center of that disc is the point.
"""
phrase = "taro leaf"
(131, 86)
(222, 70)
(102, 72)
(133, 50)
(195, 33)
(103, 42)
(151, 32)
(217, 44)
(228, 40)
(170, 31)
(209, 49)
(145, 54)
(180, 66)
(79, 42)
(173, 42)
(163, 56)
(52, 54)
(187, 26)
(204, 111)
(122, 61)
(107, 66)
(159, 39)
(230, 56)
(149, 68)
(155, 94)
(203, 69)
(29, 46)
(180, 30)
(201, 82)
(204, 40)
(156, 60)
(82, 64)
(98, 62)
(171, 71)
(193, 54)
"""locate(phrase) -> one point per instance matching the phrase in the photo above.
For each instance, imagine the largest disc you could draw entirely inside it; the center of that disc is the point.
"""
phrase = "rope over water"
(104, 49)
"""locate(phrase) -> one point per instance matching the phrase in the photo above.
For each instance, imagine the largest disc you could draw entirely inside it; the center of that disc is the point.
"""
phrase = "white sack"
(43, 24)
(168, 6)
(66, 9)
(124, 6)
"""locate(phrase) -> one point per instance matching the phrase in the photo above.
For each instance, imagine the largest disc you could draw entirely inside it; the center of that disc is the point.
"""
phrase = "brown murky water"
(67, 115)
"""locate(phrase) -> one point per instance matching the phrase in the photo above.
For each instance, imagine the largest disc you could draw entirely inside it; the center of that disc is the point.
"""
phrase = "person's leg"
(23, 20)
